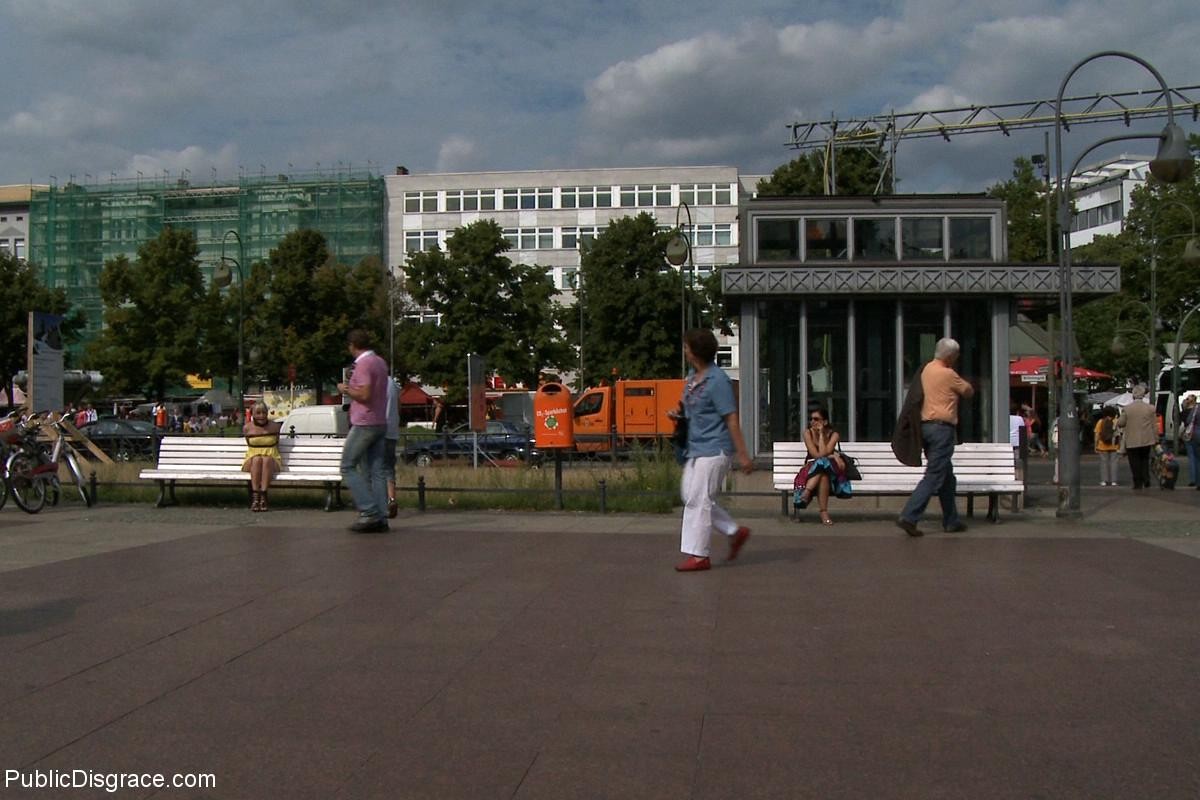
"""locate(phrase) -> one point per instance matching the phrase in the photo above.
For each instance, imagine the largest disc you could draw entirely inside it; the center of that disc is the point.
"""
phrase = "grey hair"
(946, 348)
(1139, 391)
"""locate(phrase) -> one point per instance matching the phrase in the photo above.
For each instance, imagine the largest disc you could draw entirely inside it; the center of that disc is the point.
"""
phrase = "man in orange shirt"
(939, 422)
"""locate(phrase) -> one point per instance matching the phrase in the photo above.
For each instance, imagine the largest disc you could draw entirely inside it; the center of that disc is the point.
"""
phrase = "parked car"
(122, 439)
(503, 440)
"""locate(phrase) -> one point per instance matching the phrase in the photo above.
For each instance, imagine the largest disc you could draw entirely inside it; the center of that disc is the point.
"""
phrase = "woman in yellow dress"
(262, 454)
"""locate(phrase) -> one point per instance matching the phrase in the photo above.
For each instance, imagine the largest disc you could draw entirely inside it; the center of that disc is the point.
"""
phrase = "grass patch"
(647, 482)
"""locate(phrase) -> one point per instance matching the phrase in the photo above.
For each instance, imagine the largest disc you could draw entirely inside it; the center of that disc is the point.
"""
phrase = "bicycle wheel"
(28, 492)
(80, 482)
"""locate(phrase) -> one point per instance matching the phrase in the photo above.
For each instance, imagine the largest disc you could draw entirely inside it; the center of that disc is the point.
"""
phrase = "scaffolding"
(76, 228)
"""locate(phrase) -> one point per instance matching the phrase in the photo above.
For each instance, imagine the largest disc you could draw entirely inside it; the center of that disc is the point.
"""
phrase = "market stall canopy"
(414, 395)
(1033, 365)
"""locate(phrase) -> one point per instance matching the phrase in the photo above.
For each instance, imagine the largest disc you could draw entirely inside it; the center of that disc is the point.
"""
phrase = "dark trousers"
(1139, 465)
(939, 475)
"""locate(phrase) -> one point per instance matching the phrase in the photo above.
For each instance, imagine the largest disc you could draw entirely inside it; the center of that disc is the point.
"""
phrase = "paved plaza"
(501, 655)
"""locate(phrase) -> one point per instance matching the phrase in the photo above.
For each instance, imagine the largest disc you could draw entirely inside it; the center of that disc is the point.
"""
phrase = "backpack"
(1106, 431)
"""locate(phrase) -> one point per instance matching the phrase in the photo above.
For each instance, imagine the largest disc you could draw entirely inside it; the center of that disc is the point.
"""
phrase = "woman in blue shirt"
(713, 437)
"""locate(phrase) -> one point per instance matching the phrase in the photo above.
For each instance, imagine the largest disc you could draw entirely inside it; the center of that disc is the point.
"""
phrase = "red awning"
(1036, 365)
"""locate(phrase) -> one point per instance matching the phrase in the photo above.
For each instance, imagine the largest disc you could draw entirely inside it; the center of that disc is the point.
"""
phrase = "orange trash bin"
(553, 417)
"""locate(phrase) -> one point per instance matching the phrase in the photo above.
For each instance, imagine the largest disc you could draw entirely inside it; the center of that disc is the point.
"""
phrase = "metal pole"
(1049, 224)
(241, 379)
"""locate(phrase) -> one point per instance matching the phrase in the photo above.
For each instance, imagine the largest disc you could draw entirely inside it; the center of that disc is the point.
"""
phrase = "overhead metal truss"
(1002, 117)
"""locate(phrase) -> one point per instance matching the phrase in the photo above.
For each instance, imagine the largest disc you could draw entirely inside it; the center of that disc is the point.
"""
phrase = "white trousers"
(702, 479)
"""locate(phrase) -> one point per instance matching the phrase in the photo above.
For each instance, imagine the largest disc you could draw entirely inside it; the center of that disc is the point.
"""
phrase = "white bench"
(979, 467)
(218, 460)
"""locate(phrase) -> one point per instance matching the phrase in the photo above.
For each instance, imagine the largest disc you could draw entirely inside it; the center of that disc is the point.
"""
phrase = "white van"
(327, 421)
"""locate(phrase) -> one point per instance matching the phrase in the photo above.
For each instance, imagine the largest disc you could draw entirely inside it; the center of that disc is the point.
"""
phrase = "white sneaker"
(1103, 483)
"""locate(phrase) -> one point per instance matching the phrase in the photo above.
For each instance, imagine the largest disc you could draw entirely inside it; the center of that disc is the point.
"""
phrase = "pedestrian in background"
(362, 454)
(1138, 426)
(713, 437)
(1107, 445)
(942, 388)
(1188, 434)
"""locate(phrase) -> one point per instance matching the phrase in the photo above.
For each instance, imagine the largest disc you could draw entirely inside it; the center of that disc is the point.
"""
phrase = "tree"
(152, 336)
(1024, 196)
(20, 293)
(632, 303)
(487, 304)
(858, 173)
(301, 303)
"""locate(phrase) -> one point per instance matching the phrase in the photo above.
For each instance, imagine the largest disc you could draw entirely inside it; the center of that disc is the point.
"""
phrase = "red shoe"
(693, 564)
(736, 541)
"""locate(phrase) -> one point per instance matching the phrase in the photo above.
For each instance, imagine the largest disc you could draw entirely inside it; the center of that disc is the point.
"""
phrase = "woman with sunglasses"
(824, 471)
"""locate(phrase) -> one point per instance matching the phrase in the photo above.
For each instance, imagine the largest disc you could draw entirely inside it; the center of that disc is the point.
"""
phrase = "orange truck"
(627, 411)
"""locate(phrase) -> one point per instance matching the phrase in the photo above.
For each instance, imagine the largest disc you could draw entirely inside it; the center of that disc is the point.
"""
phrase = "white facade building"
(1103, 197)
(14, 219)
(547, 214)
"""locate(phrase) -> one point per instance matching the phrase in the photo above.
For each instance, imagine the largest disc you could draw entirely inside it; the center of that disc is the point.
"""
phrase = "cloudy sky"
(97, 88)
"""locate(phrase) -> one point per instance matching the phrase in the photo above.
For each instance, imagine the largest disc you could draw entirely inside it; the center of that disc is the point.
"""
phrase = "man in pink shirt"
(362, 456)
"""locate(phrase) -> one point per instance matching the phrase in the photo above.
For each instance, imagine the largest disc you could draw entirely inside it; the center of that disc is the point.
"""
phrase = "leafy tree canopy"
(487, 305)
(152, 337)
(858, 173)
(632, 303)
(1024, 196)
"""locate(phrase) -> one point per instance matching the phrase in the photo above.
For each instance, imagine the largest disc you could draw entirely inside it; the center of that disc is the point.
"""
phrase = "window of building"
(420, 241)
(471, 200)
(576, 237)
(570, 278)
(5, 245)
(1097, 216)
(3, 219)
(712, 235)
(705, 194)
(875, 239)
(971, 238)
(646, 195)
(530, 238)
(528, 198)
(778, 240)
(420, 202)
(825, 239)
(20, 218)
(19, 248)
(921, 238)
(587, 197)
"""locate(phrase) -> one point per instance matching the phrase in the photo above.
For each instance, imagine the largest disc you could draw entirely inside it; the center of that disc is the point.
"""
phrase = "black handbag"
(852, 471)
(679, 439)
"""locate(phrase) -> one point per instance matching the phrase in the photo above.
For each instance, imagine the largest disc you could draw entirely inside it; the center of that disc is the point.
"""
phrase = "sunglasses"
(816, 419)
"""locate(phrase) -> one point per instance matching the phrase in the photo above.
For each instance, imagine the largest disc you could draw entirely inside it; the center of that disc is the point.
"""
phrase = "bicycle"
(32, 473)
(9, 438)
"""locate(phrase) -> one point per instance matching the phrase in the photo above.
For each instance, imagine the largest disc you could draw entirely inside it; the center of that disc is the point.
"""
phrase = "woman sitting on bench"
(824, 471)
(262, 454)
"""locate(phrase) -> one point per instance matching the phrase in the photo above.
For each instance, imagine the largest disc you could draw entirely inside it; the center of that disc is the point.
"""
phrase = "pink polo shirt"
(370, 368)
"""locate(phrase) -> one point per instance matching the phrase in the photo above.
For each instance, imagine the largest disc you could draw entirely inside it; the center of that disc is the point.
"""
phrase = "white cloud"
(59, 116)
(458, 154)
(198, 161)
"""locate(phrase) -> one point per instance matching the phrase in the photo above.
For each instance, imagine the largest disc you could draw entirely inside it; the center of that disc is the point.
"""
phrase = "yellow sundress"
(262, 444)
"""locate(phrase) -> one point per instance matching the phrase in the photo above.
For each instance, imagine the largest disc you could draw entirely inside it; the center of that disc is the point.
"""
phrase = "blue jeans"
(939, 476)
(1193, 451)
(362, 469)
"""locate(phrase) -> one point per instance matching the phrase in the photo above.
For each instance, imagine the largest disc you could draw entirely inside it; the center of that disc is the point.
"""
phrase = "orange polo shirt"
(942, 387)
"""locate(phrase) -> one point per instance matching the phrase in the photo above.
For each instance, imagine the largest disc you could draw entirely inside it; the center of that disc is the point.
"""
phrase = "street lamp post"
(223, 279)
(1118, 346)
(679, 254)
(1172, 163)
